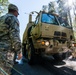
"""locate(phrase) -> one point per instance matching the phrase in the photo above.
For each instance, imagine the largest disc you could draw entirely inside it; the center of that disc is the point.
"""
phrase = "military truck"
(48, 35)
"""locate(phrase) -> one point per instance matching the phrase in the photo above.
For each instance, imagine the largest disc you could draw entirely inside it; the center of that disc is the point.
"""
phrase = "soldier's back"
(4, 43)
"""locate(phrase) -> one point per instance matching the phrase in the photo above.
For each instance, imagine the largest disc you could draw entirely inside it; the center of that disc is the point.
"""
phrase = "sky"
(25, 7)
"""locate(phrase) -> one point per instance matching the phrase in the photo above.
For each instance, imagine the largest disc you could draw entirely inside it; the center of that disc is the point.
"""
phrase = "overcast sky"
(25, 7)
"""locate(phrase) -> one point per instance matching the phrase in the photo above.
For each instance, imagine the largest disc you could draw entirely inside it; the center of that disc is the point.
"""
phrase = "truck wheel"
(24, 49)
(59, 56)
(30, 54)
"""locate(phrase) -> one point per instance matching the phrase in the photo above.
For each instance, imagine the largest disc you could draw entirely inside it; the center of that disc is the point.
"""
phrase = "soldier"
(10, 43)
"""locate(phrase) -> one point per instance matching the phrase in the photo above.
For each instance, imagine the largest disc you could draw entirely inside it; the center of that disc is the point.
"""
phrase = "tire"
(24, 49)
(59, 56)
(30, 54)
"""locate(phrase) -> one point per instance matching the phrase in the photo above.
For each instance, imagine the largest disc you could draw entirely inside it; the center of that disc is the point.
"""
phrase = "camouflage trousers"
(7, 59)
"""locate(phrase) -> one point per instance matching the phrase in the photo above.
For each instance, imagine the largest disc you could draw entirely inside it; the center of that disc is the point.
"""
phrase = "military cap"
(13, 7)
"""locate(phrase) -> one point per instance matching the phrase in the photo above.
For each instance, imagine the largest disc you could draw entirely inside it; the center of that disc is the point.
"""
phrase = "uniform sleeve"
(14, 33)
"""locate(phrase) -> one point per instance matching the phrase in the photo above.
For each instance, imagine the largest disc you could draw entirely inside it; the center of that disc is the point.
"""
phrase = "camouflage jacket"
(9, 33)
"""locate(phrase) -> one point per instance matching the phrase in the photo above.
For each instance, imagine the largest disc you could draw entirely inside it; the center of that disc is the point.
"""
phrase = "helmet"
(13, 7)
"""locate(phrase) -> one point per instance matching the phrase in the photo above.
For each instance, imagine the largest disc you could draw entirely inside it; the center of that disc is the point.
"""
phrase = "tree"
(64, 10)
(3, 6)
(70, 9)
(74, 18)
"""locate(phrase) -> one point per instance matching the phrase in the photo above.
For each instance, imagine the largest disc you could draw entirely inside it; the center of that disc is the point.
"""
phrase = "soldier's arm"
(14, 33)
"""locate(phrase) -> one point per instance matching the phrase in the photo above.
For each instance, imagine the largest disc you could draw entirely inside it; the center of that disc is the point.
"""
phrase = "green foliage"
(3, 6)
(65, 10)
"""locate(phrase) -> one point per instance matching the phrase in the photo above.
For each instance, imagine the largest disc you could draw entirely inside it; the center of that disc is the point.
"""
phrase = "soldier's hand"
(19, 56)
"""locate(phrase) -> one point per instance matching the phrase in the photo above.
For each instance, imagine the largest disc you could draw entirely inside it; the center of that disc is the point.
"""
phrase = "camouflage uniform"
(9, 38)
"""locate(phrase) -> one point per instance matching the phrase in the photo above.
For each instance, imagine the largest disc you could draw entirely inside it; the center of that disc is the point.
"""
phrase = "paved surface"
(46, 67)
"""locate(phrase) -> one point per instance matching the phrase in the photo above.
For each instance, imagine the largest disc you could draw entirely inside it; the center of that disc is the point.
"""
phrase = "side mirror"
(30, 16)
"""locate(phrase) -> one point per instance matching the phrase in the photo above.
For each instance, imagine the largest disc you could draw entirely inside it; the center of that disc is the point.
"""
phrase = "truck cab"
(49, 34)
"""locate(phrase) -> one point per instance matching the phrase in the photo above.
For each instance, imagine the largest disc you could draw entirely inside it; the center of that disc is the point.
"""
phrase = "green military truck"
(48, 35)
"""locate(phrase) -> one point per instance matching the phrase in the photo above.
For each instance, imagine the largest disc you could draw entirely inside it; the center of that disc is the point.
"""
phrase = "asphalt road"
(46, 67)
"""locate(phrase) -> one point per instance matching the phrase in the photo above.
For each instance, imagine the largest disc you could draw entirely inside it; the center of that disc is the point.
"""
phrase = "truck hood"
(48, 30)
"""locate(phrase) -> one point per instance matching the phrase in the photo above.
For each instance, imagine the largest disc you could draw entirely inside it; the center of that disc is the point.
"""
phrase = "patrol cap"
(13, 7)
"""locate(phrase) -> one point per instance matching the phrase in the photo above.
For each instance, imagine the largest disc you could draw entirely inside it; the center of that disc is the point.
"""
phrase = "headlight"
(43, 43)
(47, 43)
(74, 44)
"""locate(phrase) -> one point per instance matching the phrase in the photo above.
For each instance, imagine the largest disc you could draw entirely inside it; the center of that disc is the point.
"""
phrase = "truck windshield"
(48, 18)
(64, 22)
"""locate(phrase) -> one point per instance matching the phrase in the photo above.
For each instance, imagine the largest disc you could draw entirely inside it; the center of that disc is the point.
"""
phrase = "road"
(46, 67)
